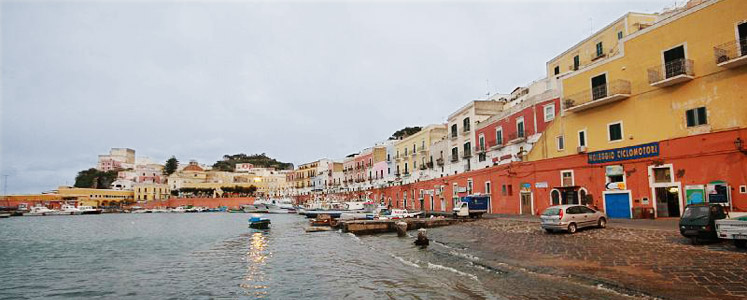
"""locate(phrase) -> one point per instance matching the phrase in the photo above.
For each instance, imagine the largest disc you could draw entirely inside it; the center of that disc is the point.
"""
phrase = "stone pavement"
(629, 258)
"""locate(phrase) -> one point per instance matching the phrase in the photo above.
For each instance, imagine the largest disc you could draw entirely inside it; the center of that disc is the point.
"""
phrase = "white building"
(461, 134)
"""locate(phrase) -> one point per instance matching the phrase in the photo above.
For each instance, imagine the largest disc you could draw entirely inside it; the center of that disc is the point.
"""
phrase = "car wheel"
(694, 240)
(740, 243)
(572, 228)
(602, 223)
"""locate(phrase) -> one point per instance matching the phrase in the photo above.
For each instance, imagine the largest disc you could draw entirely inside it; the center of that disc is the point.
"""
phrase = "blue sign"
(632, 152)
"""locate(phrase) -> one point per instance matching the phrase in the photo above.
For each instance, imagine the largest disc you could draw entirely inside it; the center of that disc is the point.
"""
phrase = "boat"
(257, 209)
(259, 223)
(40, 211)
(276, 206)
(179, 209)
(67, 209)
(4, 215)
(398, 214)
(89, 210)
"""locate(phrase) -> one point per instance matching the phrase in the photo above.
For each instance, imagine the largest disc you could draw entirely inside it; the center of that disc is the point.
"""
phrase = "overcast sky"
(296, 80)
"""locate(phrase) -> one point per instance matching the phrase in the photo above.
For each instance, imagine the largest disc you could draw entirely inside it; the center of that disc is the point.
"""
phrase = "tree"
(229, 162)
(405, 132)
(171, 165)
(93, 178)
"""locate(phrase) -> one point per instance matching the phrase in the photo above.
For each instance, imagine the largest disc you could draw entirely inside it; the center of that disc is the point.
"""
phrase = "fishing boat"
(259, 223)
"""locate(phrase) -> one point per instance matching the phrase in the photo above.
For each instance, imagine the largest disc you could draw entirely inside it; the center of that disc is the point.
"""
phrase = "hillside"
(258, 160)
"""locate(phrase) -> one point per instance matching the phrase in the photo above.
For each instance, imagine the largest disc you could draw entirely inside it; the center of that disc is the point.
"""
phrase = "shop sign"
(718, 192)
(462, 189)
(541, 185)
(615, 186)
(526, 187)
(615, 170)
(694, 194)
(626, 153)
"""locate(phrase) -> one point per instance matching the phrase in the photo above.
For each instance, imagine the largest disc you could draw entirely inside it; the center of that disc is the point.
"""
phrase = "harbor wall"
(204, 202)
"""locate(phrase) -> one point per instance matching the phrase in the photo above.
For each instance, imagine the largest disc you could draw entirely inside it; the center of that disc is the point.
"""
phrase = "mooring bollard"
(401, 228)
(422, 238)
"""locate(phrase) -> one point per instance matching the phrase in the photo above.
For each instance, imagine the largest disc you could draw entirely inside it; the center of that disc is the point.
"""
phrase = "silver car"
(571, 218)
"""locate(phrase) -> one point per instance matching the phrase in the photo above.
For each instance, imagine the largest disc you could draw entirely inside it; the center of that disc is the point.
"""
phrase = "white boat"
(277, 206)
(68, 209)
(398, 214)
(40, 211)
(179, 209)
(89, 210)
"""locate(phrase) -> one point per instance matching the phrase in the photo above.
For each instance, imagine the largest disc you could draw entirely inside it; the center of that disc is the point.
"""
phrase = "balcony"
(600, 95)
(466, 131)
(440, 161)
(398, 157)
(673, 72)
(429, 165)
(732, 54)
(422, 149)
(514, 138)
(479, 149)
(454, 158)
(453, 136)
(467, 155)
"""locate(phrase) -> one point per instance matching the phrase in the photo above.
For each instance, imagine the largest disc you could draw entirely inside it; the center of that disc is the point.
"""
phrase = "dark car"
(698, 222)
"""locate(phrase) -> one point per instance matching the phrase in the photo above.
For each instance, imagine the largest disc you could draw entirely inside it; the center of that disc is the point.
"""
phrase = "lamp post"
(738, 143)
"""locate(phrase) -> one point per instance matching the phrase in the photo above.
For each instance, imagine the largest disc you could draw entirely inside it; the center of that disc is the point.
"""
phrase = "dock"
(360, 227)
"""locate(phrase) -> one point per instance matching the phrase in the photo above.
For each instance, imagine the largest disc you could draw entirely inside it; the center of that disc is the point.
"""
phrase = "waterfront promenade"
(637, 257)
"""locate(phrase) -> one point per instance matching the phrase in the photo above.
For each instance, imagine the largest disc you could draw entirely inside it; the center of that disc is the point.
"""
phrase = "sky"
(298, 80)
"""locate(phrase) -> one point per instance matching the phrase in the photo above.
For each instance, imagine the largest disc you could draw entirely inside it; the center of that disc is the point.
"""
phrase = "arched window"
(555, 197)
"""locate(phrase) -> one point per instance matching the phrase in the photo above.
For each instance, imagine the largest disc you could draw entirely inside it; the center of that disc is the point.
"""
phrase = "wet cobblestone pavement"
(632, 261)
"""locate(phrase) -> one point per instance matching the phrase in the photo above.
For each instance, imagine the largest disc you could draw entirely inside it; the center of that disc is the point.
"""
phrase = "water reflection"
(255, 282)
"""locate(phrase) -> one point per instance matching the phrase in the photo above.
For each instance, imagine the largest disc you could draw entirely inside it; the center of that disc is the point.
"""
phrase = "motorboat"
(179, 209)
(89, 210)
(40, 211)
(259, 209)
(67, 209)
(259, 223)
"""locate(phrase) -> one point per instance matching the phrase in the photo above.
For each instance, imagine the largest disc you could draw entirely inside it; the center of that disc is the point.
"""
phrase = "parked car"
(571, 218)
(733, 228)
(698, 221)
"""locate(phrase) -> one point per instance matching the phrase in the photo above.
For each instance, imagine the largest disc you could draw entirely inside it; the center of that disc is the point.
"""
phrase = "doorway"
(526, 203)
(599, 87)
(674, 61)
(668, 201)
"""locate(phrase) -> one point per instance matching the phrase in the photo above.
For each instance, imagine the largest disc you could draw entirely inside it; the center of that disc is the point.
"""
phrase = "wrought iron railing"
(617, 87)
(670, 69)
(729, 51)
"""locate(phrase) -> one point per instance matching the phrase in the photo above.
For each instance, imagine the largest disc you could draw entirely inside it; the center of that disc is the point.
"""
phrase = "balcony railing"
(429, 165)
(516, 138)
(440, 161)
(671, 73)
(479, 149)
(467, 154)
(454, 158)
(422, 149)
(599, 95)
(453, 135)
(731, 54)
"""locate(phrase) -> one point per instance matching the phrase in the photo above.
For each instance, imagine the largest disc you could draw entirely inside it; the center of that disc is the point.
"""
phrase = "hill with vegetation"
(228, 163)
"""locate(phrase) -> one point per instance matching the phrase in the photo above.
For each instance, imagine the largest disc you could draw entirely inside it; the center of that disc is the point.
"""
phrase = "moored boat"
(40, 211)
(259, 223)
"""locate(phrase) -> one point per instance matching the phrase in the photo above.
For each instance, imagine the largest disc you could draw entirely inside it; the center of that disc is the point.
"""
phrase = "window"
(487, 187)
(600, 49)
(599, 87)
(549, 112)
(467, 150)
(520, 127)
(662, 175)
(566, 178)
(469, 187)
(582, 138)
(619, 35)
(674, 61)
(560, 143)
(499, 136)
(414, 165)
(454, 154)
(615, 132)
(465, 124)
(453, 130)
(615, 173)
(696, 117)
(503, 190)
(407, 170)
(576, 63)
(557, 70)
(510, 190)
(482, 142)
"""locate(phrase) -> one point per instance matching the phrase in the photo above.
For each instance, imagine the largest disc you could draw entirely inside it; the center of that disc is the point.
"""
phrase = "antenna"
(487, 88)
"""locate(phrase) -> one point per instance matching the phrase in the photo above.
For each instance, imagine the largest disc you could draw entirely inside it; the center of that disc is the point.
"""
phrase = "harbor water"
(216, 256)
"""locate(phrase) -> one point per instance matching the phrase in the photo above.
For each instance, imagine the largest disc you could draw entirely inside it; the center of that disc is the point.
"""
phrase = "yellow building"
(151, 191)
(96, 197)
(412, 152)
(601, 45)
(676, 78)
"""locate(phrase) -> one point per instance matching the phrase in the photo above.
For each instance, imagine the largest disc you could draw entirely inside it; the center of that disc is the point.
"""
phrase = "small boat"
(398, 214)
(68, 209)
(4, 215)
(40, 211)
(89, 210)
(259, 223)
